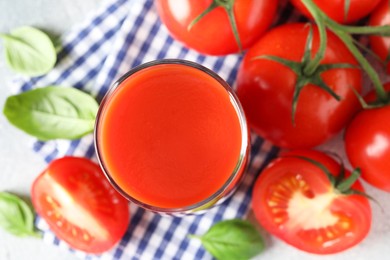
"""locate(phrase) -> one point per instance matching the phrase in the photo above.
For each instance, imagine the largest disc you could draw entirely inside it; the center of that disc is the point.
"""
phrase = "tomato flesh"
(213, 34)
(295, 201)
(79, 205)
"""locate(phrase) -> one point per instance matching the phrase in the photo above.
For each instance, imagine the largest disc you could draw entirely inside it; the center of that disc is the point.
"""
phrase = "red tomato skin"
(76, 179)
(355, 207)
(265, 89)
(381, 45)
(213, 34)
(335, 9)
(367, 143)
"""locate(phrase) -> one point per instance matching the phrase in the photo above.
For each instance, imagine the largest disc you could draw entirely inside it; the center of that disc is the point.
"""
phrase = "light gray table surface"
(19, 165)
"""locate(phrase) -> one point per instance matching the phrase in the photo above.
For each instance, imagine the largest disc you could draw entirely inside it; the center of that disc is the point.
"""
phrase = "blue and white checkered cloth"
(120, 35)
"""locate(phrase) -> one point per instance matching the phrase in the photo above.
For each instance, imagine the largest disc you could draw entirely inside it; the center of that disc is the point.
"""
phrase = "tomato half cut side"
(295, 201)
(80, 206)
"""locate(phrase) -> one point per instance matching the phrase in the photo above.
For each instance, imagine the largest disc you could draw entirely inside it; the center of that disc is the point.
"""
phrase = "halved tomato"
(295, 200)
(80, 205)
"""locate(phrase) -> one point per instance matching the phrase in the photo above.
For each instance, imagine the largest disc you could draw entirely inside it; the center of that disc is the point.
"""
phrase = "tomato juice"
(172, 137)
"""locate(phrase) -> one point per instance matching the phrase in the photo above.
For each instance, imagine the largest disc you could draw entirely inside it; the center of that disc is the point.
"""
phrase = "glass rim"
(244, 150)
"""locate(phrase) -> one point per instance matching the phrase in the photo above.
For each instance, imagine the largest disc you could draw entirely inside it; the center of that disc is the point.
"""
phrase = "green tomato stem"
(374, 30)
(233, 24)
(373, 75)
(227, 5)
(346, 184)
(347, 5)
(211, 7)
(342, 31)
(369, 51)
(313, 64)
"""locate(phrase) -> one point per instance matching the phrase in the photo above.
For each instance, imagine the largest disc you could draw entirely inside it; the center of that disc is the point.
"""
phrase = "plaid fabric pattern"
(120, 35)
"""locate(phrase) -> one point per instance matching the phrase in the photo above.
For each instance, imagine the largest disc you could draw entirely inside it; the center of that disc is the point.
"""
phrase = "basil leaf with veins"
(232, 239)
(29, 51)
(52, 112)
(16, 217)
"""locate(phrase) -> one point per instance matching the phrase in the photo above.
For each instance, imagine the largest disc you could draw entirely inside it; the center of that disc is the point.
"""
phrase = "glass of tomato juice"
(171, 136)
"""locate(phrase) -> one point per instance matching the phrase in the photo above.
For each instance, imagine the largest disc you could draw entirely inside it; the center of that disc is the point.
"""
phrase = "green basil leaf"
(29, 51)
(16, 216)
(52, 112)
(232, 239)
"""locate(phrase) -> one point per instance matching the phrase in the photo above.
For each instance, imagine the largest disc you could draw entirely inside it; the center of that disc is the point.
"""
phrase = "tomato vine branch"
(312, 65)
(347, 5)
(368, 51)
(366, 66)
(383, 30)
(342, 32)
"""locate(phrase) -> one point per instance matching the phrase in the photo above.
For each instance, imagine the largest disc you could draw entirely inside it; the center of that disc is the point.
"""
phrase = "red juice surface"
(169, 136)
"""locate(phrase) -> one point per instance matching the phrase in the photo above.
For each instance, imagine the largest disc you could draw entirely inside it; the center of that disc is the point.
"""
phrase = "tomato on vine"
(346, 11)
(367, 143)
(290, 100)
(217, 27)
(309, 201)
(379, 44)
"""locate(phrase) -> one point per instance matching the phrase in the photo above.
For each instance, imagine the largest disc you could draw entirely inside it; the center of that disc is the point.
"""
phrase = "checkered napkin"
(119, 36)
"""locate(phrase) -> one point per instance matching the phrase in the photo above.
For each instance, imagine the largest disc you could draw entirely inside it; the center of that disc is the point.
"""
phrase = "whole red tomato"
(294, 200)
(79, 204)
(265, 89)
(213, 34)
(367, 144)
(381, 45)
(339, 11)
